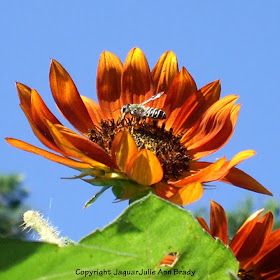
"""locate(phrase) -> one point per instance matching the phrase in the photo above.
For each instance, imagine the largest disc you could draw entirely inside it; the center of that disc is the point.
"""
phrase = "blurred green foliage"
(12, 194)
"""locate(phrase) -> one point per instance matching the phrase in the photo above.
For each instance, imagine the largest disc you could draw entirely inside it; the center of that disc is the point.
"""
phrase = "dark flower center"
(166, 146)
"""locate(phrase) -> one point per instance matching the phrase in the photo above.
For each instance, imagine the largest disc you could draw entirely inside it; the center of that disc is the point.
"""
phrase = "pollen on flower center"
(166, 146)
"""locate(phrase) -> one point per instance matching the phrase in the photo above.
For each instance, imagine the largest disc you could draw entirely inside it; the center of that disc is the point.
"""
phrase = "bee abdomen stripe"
(161, 114)
(155, 113)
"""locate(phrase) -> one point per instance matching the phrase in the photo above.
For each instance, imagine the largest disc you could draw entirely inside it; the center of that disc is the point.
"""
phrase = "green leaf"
(233, 277)
(137, 241)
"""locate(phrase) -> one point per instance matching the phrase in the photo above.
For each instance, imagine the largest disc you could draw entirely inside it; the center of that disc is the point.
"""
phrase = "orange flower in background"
(255, 246)
(132, 154)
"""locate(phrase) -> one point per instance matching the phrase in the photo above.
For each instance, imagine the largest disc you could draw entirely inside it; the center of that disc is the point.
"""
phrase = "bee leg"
(122, 117)
(135, 121)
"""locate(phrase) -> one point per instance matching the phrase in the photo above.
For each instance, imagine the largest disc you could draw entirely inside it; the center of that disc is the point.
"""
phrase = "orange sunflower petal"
(68, 98)
(144, 168)
(271, 244)
(168, 260)
(136, 79)
(244, 231)
(212, 171)
(215, 129)
(194, 107)
(203, 224)
(165, 190)
(182, 87)
(254, 241)
(93, 109)
(87, 147)
(65, 145)
(24, 93)
(180, 196)
(163, 74)
(36, 111)
(232, 175)
(187, 194)
(268, 258)
(40, 112)
(108, 84)
(123, 149)
(241, 179)
(44, 137)
(231, 163)
(275, 274)
(204, 175)
(218, 222)
(51, 156)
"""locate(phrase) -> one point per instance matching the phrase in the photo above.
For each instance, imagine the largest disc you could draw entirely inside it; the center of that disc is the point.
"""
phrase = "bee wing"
(156, 96)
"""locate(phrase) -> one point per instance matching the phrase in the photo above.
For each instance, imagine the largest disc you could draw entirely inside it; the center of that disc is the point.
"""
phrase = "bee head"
(125, 109)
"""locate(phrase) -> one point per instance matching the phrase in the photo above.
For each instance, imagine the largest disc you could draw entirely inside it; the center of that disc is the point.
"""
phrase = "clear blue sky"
(235, 41)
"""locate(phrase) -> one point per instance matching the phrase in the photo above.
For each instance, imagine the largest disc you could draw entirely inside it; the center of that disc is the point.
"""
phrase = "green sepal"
(88, 203)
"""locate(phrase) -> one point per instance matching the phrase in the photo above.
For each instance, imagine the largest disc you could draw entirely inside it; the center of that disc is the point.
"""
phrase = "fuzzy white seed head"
(34, 220)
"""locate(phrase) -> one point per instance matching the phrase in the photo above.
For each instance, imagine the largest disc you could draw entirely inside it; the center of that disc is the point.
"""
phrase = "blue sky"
(237, 42)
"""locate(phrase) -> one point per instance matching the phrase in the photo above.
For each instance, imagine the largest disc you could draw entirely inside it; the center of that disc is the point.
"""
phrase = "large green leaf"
(137, 241)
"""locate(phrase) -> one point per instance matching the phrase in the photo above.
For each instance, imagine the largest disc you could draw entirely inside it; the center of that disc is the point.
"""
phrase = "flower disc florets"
(166, 146)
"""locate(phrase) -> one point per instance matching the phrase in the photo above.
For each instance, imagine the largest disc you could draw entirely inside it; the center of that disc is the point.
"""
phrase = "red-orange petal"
(50, 156)
(203, 224)
(241, 179)
(163, 74)
(231, 163)
(207, 172)
(204, 175)
(24, 94)
(244, 231)
(231, 175)
(35, 111)
(165, 190)
(87, 147)
(181, 196)
(268, 258)
(123, 149)
(144, 168)
(272, 243)
(168, 260)
(68, 98)
(93, 109)
(65, 145)
(194, 107)
(215, 129)
(218, 222)
(272, 274)
(182, 87)
(136, 79)
(108, 84)
(187, 194)
(254, 241)
(40, 112)
(43, 136)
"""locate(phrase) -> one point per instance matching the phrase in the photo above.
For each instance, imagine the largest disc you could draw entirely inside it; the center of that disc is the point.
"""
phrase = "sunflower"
(255, 245)
(137, 155)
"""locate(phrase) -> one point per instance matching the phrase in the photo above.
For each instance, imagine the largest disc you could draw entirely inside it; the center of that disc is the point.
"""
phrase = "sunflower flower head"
(255, 245)
(148, 132)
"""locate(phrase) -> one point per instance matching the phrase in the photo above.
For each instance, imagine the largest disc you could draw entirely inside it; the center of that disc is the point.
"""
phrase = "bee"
(140, 111)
